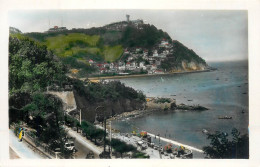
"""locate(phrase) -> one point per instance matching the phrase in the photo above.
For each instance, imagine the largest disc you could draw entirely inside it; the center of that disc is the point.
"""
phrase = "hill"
(183, 59)
(86, 51)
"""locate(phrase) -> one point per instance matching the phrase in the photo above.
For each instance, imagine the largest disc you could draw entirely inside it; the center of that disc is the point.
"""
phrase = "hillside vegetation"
(146, 37)
(183, 58)
(77, 46)
(83, 46)
(33, 68)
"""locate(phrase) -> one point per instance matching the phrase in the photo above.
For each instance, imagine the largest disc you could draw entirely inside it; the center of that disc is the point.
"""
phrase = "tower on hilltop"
(127, 18)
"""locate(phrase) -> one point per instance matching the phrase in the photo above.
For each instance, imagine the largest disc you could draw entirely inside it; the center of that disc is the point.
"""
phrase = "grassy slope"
(112, 53)
(81, 45)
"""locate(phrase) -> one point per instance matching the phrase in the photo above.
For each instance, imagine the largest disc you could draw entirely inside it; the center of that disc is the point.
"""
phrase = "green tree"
(121, 147)
(91, 131)
(32, 67)
(222, 147)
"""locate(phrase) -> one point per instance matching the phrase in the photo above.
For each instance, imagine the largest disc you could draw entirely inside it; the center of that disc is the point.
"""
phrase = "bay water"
(223, 91)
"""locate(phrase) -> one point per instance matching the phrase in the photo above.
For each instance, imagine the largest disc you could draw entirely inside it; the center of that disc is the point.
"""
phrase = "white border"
(253, 7)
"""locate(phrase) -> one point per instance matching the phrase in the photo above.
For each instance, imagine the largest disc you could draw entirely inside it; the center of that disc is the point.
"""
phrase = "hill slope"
(183, 59)
(107, 44)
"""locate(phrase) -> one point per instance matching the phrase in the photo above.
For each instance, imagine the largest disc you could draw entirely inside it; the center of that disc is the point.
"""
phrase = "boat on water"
(225, 117)
(205, 131)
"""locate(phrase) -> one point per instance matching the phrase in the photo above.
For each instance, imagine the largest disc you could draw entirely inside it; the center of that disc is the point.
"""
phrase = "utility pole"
(160, 147)
(105, 129)
(110, 150)
(80, 116)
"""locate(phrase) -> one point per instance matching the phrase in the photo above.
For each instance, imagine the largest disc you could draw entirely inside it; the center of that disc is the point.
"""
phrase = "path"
(21, 148)
(84, 142)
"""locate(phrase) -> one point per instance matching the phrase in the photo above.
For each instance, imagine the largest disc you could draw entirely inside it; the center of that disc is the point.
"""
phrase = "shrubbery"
(91, 131)
(162, 100)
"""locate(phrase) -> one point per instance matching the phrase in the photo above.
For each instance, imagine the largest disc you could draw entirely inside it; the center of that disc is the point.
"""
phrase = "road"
(83, 145)
(21, 148)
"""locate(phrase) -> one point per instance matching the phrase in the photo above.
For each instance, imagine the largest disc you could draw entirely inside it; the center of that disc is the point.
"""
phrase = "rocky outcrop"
(111, 108)
(67, 97)
(192, 66)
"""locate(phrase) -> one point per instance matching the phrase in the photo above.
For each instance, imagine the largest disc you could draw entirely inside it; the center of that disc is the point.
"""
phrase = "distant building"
(127, 18)
(158, 72)
(56, 29)
(90, 61)
(137, 22)
(155, 53)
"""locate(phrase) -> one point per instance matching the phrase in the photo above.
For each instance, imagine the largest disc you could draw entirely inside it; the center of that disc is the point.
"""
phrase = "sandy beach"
(140, 75)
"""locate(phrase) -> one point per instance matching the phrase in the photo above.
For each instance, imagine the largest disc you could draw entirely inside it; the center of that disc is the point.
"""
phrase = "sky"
(215, 35)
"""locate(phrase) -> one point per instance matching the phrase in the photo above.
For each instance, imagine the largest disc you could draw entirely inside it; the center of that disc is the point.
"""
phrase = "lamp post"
(160, 147)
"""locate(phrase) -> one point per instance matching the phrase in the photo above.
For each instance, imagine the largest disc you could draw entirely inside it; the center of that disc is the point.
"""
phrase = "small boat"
(205, 131)
(190, 100)
(225, 117)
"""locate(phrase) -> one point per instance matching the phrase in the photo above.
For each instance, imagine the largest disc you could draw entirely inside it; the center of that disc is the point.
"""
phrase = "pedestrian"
(21, 134)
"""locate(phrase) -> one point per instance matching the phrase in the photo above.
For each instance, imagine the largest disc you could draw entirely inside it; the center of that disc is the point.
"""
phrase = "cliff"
(111, 107)
(68, 99)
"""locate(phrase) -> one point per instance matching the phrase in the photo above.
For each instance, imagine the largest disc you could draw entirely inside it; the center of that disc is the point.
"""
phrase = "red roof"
(128, 63)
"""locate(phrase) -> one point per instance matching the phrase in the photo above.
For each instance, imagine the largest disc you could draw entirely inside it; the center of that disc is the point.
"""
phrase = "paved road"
(83, 145)
(21, 148)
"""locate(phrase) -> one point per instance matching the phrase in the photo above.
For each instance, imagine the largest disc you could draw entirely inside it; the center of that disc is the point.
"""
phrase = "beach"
(95, 79)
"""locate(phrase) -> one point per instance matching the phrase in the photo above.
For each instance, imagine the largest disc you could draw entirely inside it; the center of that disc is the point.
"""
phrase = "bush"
(140, 155)
(121, 146)
(162, 100)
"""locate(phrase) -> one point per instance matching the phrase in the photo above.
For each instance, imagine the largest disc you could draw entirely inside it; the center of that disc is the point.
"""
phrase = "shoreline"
(144, 75)
(151, 110)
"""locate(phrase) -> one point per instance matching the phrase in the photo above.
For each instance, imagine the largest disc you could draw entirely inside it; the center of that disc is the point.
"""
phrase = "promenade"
(21, 148)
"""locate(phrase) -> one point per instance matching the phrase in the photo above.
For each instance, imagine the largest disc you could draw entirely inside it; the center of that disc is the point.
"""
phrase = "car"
(90, 155)
(156, 147)
(70, 146)
(172, 156)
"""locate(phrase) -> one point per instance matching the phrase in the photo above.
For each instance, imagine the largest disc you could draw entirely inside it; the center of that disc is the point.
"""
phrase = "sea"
(223, 91)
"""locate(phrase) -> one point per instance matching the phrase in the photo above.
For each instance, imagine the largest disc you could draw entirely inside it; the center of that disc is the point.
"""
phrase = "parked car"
(70, 146)
(90, 155)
